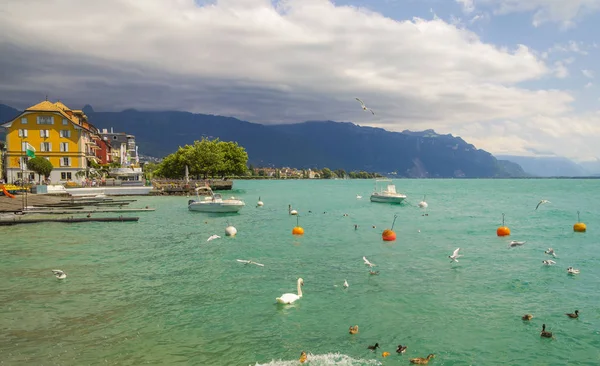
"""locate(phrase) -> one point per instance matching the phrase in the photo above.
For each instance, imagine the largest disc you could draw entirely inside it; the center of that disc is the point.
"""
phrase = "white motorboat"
(387, 195)
(214, 202)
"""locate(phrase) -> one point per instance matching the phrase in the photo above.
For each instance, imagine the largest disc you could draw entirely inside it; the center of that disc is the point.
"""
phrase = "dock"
(69, 220)
(81, 210)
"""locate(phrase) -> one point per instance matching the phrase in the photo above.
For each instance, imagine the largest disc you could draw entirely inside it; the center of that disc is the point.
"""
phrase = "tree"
(40, 165)
(326, 173)
(234, 159)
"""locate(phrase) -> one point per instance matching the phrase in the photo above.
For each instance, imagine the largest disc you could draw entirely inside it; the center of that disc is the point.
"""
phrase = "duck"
(421, 360)
(374, 273)
(401, 349)
(289, 297)
(545, 334)
(572, 270)
(303, 357)
(372, 348)
(527, 317)
(573, 315)
(353, 329)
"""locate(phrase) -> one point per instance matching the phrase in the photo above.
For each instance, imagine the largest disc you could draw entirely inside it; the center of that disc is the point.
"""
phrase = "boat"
(214, 202)
(387, 195)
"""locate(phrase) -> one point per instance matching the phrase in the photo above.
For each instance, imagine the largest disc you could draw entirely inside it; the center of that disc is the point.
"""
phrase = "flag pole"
(22, 174)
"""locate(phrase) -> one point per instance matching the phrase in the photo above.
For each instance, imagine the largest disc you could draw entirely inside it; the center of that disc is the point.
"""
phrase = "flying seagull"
(541, 203)
(515, 243)
(249, 262)
(213, 237)
(364, 107)
(367, 262)
(455, 255)
(59, 274)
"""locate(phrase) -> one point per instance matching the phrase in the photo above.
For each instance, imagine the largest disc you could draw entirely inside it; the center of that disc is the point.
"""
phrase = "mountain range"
(312, 144)
(554, 166)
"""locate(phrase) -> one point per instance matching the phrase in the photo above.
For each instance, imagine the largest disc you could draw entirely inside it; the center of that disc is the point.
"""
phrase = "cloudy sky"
(510, 76)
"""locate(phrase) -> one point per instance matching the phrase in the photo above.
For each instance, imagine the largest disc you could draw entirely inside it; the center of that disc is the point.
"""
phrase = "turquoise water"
(155, 292)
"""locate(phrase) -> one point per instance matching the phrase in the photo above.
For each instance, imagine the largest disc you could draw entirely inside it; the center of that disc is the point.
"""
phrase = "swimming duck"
(372, 348)
(527, 317)
(421, 360)
(374, 272)
(303, 357)
(545, 334)
(573, 315)
(354, 329)
(401, 349)
(572, 270)
(385, 354)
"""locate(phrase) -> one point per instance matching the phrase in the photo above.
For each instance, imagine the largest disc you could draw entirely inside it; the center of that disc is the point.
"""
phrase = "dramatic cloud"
(281, 62)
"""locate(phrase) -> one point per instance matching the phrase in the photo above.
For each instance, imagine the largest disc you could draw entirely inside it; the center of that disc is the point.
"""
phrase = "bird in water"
(374, 273)
(61, 275)
(541, 203)
(372, 348)
(346, 285)
(367, 262)
(551, 252)
(573, 315)
(572, 270)
(421, 360)
(455, 255)
(544, 333)
(401, 349)
(527, 317)
(364, 107)
(213, 237)
(548, 262)
(353, 329)
(515, 243)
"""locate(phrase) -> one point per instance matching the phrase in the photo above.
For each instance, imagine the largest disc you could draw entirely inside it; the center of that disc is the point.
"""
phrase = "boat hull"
(387, 199)
(215, 207)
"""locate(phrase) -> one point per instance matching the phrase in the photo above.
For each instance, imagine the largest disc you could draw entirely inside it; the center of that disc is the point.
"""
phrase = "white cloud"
(467, 5)
(565, 12)
(293, 61)
(589, 85)
(588, 74)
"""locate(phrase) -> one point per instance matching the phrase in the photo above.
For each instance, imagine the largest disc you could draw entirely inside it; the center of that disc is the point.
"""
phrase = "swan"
(289, 297)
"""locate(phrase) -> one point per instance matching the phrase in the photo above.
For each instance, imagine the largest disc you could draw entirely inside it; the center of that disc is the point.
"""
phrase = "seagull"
(213, 237)
(548, 262)
(572, 270)
(358, 197)
(367, 262)
(249, 262)
(541, 203)
(59, 274)
(515, 243)
(550, 251)
(346, 284)
(364, 107)
(455, 255)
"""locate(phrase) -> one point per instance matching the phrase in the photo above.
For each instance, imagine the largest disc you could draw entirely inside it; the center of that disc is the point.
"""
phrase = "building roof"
(60, 105)
(45, 106)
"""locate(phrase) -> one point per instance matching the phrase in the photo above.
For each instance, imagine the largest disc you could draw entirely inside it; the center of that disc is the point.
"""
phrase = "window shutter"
(66, 146)
(25, 133)
(20, 133)
(51, 120)
(49, 146)
(41, 133)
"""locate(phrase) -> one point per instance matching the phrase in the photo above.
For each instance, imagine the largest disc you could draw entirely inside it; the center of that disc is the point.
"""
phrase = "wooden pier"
(70, 220)
(82, 210)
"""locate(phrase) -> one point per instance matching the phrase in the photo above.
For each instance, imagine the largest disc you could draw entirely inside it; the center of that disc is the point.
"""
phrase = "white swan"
(290, 298)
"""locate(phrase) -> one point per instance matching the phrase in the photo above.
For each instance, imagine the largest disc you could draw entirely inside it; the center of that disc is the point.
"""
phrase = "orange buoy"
(579, 226)
(503, 230)
(388, 235)
(385, 354)
(298, 230)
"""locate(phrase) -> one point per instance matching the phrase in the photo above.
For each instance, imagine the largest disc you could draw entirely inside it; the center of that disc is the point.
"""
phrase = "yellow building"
(57, 133)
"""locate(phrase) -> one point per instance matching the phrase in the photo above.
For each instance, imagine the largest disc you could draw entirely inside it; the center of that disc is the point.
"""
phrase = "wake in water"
(327, 359)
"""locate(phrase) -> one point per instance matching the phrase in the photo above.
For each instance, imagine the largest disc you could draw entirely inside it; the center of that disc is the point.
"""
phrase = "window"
(44, 133)
(19, 175)
(65, 122)
(64, 146)
(24, 160)
(65, 133)
(22, 133)
(31, 176)
(45, 146)
(45, 120)
(23, 120)
(65, 162)
(65, 175)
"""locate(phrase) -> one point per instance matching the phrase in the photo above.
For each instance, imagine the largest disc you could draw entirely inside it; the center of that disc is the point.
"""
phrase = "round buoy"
(423, 204)
(259, 203)
(298, 231)
(293, 212)
(503, 230)
(579, 226)
(230, 231)
(388, 235)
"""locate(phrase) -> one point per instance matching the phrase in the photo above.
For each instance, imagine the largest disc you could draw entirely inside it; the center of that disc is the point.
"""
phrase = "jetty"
(70, 220)
(81, 210)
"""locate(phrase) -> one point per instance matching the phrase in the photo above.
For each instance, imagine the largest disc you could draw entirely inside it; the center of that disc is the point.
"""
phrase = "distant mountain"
(547, 166)
(6, 114)
(337, 145)
(593, 167)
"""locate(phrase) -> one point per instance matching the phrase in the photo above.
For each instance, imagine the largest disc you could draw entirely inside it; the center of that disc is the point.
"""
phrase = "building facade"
(123, 145)
(63, 136)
